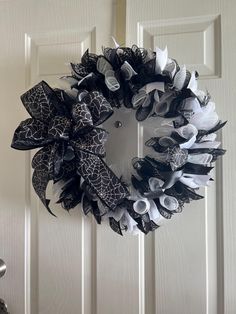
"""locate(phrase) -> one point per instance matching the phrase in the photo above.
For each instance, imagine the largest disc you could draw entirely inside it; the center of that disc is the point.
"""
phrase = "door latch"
(3, 268)
(3, 307)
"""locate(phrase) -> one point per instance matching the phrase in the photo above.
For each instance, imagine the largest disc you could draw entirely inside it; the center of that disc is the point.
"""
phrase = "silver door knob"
(3, 307)
(3, 268)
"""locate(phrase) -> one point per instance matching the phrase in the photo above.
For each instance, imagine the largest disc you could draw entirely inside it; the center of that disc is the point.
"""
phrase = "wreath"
(66, 123)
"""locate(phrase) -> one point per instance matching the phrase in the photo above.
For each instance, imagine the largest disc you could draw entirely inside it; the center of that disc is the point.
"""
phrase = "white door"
(49, 261)
(68, 264)
(193, 259)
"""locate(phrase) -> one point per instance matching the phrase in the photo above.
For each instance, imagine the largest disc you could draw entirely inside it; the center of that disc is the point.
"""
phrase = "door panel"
(50, 261)
(189, 253)
(120, 258)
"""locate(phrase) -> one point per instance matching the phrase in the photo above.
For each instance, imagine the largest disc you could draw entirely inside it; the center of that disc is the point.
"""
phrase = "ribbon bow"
(71, 142)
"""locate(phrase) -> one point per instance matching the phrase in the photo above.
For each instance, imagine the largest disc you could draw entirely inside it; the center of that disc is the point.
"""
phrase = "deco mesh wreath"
(65, 124)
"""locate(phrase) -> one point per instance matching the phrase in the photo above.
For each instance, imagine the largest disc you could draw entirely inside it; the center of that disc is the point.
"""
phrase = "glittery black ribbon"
(70, 140)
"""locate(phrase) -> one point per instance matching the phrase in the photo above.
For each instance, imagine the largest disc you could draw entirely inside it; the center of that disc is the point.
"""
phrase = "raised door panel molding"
(47, 56)
(50, 54)
(53, 59)
(181, 35)
(174, 278)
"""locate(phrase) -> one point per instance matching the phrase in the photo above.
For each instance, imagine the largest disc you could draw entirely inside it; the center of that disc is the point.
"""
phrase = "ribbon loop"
(99, 107)
(105, 68)
(30, 134)
(92, 110)
(41, 102)
(82, 118)
(59, 128)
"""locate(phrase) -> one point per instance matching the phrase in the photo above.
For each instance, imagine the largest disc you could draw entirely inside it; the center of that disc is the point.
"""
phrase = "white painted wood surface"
(195, 254)
(50, 262)
(70, 265)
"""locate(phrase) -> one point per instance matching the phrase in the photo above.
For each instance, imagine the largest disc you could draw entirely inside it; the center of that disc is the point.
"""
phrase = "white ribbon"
(104, 67)
(111, 81)
(191, 105)
(201, 159)
(163, 105)
(206, 145)
(161, 60)
(171, 67)
(156, 96)
(129, 222)
(127, 71)
(155, 86)
(73, 93)
(189, 132)
(141, 206)
(209, 138)
(154, 213)
(140, 98)
(194, 180)
(169, 202)
(179, 78)
(206, 119)
(104, 210)
(85, 78)
(155, 184)
(117, 214)
(56, 190)
(192, 84)
(66, 82)
(115, 42)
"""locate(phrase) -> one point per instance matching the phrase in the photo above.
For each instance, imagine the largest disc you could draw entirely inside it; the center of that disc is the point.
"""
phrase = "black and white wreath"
(66, 123)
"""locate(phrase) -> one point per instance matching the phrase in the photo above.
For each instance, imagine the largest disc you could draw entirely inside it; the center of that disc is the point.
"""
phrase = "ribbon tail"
(99, 176)
(43, 164)
(115, 225)
(40, 181)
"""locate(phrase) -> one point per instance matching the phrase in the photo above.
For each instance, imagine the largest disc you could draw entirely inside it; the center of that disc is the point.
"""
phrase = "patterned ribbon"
(70, 140)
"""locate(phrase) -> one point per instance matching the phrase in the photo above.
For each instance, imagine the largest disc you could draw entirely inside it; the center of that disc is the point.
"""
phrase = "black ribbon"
(71, 142)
